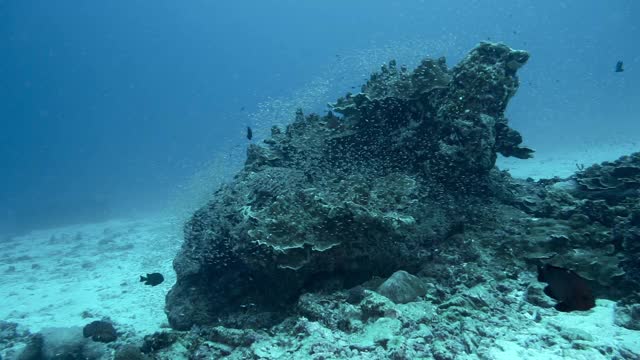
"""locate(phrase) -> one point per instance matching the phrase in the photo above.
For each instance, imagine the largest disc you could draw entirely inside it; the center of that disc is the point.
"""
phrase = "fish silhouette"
(152, 279)
(249, 133)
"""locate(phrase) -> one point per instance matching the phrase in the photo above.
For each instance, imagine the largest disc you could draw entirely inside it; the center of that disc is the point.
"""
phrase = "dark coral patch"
(101, 331)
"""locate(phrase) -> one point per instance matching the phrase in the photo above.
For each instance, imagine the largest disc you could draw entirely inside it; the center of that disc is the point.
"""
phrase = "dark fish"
(249, 133)
(570, 289)
(152, 279)
(619, 66)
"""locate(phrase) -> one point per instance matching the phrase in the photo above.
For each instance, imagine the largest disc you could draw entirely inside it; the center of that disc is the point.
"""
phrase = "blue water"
(107, 108)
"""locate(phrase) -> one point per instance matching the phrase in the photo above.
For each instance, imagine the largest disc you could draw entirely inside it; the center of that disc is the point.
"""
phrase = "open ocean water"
(156, 202)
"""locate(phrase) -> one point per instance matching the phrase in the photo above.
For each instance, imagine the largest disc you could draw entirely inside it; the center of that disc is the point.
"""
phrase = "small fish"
(249, 133)
(152, 279)
(619, 66)
(570, 289)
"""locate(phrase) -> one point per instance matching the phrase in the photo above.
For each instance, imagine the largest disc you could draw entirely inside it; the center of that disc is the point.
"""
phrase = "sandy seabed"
(72, 275)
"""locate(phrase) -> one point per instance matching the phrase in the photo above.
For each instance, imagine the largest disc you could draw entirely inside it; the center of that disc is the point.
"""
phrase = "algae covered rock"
(101, 331)
(365, 190)
(402, 287)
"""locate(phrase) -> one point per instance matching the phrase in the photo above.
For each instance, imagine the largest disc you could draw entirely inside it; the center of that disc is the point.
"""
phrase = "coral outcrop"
(588, 223)
(372, 187)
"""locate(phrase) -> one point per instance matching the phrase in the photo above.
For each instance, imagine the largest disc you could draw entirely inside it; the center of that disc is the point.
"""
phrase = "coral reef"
(383, 230)
(589, 223)
(334, 200)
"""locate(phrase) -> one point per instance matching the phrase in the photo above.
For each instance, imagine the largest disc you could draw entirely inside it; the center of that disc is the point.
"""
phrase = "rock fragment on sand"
(402, 287)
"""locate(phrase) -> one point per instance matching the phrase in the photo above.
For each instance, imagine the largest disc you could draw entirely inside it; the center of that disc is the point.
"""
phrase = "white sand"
(50, 278)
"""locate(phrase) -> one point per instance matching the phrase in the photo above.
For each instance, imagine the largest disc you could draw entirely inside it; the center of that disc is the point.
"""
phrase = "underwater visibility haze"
(331, 179)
